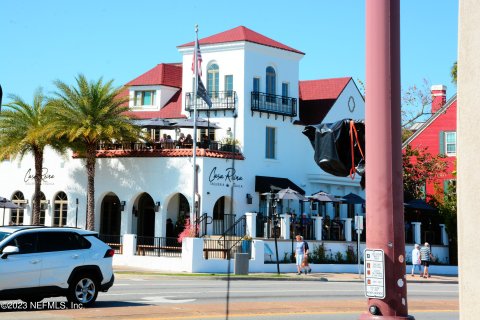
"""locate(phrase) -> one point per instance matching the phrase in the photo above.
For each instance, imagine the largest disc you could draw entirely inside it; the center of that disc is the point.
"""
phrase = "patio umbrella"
(290, 194)
(188, 123)
(419, 204)
(352, 198)
(155, 123)
(7, 204)
(323, 197)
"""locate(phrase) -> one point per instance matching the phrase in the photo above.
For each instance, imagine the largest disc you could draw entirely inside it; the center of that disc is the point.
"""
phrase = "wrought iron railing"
(114, 241)
(221, 225)
(225, 249)
(305, 228)
(333, 230)
(270, 103)
(201, 225)
(158, 246)
(221, 100)
(143, 146)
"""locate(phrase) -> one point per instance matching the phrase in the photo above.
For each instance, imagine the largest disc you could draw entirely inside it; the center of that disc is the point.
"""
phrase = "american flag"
(199, 59)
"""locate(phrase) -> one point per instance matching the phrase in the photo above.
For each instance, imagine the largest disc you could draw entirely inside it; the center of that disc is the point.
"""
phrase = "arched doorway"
(178, 211)
(145, 213)
(222, 218)
(110, 216)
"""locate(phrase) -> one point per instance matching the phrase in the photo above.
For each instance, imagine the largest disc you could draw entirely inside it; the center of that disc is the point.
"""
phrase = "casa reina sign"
(225, 178)
(47, 177)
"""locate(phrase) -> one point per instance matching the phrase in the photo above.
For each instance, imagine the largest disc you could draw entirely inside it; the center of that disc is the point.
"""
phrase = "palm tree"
(22, 131)
(87, 114)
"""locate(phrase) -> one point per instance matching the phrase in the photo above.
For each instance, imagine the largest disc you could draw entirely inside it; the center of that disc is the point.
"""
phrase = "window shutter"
(442, 142)
(445, 186)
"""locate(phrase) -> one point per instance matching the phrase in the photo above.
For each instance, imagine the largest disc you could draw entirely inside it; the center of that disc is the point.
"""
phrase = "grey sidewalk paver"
(316, 276)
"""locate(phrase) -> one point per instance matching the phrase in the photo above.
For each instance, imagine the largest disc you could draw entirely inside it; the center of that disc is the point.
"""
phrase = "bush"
(319, 254)
(188, 232)
(350, 256)
(339, 257)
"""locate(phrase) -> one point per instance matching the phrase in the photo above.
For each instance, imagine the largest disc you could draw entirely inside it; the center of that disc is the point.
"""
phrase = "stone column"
(318, 227)
(444, 234)
(129, 242)
(417, 232)
(161, 223)
(286, 227)
(348, 229)
(251, 224)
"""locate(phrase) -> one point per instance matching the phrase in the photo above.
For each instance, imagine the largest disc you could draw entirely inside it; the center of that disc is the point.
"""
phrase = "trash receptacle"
(241, 263)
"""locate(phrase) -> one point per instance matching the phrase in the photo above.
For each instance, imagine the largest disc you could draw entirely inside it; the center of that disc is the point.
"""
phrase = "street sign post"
(374, 273)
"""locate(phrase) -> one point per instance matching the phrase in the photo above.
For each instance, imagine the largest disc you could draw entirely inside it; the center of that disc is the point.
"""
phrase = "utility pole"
(385, 283)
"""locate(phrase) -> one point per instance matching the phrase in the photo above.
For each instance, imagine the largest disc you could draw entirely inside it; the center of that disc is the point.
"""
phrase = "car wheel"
(83, 290)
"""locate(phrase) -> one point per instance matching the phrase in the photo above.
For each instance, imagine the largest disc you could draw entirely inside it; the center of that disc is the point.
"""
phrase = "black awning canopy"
(274, 184)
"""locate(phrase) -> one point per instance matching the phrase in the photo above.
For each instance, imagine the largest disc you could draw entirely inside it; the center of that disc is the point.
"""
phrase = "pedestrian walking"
(425, 257)
(301, 255)
(416, 261)
(305, 265)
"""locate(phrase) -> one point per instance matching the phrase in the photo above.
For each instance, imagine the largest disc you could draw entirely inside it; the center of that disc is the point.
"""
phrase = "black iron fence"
(333, 230)
(114, 241)
(158, 246)
(221, 100)
(270, 103)
(220, 225)
(304, 228)
(222, 249)
(201, 225)
(149, 146)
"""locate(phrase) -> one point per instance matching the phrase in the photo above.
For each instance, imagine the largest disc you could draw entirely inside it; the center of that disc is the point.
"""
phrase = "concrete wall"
(192, 260)
(467, 158)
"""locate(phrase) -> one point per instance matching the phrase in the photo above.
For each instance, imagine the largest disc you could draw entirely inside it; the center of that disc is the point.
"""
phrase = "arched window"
(16, 217)
(60, 210)
(43, 207)
(271, 81)
(213, 80)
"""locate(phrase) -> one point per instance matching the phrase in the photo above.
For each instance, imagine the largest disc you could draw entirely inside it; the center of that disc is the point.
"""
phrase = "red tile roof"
(162, 153)
(241, 33)
(172, 110)
(317, 98)
(167, 74)
(322, 89)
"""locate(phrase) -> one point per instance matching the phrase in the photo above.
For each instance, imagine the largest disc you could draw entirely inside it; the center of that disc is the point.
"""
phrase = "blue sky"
(45, 40)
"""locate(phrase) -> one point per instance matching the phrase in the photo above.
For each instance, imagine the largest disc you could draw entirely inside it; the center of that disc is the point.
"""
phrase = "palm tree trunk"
(91, 158)
(38, 155)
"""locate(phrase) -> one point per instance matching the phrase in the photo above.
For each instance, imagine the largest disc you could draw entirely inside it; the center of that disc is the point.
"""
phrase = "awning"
(267, 184)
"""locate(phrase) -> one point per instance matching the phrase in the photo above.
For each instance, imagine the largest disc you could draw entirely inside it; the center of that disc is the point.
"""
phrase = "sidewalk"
(124, 272)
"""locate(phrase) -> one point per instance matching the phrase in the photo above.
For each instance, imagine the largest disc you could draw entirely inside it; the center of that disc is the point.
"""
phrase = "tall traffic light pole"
(384, 258)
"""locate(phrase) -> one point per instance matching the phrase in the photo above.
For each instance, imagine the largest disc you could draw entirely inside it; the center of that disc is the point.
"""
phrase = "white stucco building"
(258, 99)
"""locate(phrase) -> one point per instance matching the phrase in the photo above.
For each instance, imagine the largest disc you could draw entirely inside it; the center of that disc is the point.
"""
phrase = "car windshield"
(3, 235)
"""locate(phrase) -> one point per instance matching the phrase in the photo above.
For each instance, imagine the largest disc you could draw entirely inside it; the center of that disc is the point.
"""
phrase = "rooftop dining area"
(173, 137)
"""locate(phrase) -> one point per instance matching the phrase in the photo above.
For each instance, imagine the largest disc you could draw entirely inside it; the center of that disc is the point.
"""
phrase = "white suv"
(40, 262)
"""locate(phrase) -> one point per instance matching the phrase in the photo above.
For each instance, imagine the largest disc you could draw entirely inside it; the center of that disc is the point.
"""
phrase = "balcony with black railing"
(271, 103)
(221, 100)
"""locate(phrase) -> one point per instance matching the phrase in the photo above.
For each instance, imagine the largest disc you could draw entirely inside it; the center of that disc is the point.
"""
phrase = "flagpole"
(193, 212)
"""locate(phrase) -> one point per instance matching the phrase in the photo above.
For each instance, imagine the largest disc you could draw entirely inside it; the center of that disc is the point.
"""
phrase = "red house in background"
(439, 135)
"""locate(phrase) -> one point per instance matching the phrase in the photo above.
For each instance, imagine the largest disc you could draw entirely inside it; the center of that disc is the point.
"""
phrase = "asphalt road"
(158, 297)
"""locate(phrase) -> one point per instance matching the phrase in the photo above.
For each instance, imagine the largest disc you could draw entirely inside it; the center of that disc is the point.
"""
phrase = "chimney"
(439, 97)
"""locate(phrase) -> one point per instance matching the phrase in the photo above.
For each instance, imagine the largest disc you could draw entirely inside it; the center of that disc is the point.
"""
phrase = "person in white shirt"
(416, 262)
